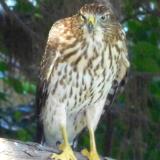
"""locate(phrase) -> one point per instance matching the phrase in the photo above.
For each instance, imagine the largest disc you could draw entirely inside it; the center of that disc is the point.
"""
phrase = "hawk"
(85, 63)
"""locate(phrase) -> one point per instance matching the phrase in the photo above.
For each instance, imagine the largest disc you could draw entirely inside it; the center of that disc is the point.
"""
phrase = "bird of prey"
(84, 63)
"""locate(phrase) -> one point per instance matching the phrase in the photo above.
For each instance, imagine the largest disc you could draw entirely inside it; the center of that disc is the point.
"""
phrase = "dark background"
(130, 130)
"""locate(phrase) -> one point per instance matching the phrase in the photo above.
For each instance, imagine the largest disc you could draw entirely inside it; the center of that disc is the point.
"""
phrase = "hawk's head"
(94, 17)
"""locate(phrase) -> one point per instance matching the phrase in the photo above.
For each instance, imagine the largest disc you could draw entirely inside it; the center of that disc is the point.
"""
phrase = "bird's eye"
(83, 17)
(104, 17)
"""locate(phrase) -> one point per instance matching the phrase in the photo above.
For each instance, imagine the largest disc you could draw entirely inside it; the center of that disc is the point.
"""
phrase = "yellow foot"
(92, 155)
(67, 154)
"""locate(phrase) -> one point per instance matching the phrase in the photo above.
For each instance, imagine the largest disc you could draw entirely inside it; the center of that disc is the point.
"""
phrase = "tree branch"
(17, 150)
(18, 21)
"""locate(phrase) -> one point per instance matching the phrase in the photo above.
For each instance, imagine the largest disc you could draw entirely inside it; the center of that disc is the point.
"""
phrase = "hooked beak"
(91, 22)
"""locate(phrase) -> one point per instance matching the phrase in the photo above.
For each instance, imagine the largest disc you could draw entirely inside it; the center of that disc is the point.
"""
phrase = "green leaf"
(3, 96)
(17, 116)
(155, 89)
(3, 66)
(23, 135)
(38, 15)
(28, 88)
(15, 83)
(146, 57)
(24, 6)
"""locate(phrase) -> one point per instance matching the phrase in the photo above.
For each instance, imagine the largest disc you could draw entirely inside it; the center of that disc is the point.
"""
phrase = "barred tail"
(116, 87)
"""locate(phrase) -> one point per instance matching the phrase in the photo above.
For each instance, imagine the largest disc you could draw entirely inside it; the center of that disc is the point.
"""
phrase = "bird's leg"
(92, 118)
(92, 154)
(67, 153)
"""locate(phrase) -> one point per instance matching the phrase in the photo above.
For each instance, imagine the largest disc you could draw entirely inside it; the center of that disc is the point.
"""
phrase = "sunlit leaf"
(28, 87)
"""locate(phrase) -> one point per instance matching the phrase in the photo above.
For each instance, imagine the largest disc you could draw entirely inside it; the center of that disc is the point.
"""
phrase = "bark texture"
(18, 150)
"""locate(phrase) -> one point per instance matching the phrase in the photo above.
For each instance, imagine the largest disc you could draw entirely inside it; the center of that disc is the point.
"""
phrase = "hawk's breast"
(83, 78)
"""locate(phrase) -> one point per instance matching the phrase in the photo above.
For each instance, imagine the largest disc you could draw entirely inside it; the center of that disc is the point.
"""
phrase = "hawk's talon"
(67, 154)
(61, 147)
(85, 152)
(92, 155)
